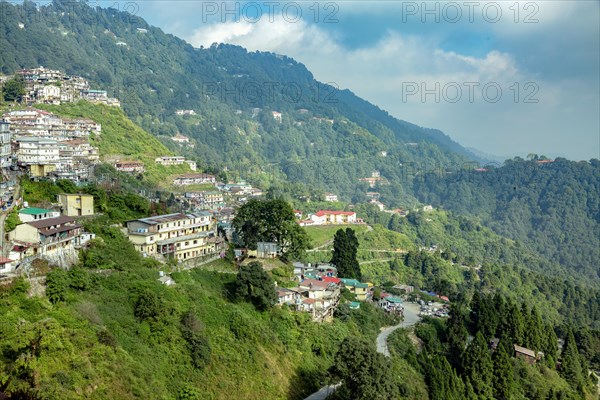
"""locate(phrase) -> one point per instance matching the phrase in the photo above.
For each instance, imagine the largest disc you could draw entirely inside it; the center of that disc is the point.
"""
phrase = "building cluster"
(53, 234)
(318, 290)
(214, 200)
(43, 85)
(46, 145)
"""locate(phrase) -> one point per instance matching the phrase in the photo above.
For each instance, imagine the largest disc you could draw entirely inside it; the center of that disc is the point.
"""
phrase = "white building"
(193, 179)
(5, 145)
(331, 197)
(37, 151)
(328, 217)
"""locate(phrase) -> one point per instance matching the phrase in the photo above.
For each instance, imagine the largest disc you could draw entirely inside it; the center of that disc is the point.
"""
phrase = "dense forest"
(553, 208)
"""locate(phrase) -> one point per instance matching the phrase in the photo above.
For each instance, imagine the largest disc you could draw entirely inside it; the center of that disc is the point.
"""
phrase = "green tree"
(503, 380)
(442, 381)
(57, 283)
(255, 285)
(148, 306)
(13, 89)
(12, 220)
(345, 249)
(478, 367)
(571, 367)
(456, 334)
(271, 221)
(365, 374)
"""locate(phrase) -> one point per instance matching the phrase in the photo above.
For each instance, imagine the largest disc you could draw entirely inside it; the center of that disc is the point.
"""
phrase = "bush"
(148, 306)
(107, 338)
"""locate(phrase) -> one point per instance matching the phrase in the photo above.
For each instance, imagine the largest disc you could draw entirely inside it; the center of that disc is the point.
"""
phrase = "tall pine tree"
(571, 368)
(503, 381)
(478, 367)
(345, 250)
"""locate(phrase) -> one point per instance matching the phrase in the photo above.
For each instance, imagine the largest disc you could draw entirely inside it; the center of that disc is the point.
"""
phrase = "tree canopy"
(345, 249)
(271, 221)
(255, 285)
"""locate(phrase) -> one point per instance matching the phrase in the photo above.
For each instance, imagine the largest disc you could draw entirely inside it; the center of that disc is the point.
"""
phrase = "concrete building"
(178, 236)
(40, 156)
(5, 146)
(47, 236)
(76, 205)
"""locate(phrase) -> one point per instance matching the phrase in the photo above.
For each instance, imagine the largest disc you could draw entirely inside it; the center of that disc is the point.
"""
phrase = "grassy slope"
(122, 138)
(273, 355)
(320, 235)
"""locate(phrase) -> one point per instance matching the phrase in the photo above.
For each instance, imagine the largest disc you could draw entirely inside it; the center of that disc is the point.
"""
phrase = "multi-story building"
(130, 166)
(39, 156)
(5, 145)
(178, 236)
(328, 217)
(207, 200)
(47, 236)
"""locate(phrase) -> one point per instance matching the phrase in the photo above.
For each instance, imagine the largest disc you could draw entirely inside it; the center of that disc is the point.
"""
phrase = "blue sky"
(544, 57)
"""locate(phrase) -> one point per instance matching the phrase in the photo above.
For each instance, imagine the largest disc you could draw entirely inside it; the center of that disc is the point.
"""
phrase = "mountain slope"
(154, 74)
(552, 207)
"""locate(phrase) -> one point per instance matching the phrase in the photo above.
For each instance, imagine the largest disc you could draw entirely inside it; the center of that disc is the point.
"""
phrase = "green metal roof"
(353, 282)
(394, 300)
(34, 211)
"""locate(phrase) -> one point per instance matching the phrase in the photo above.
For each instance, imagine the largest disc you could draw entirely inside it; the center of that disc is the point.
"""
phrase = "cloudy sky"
(505, 78)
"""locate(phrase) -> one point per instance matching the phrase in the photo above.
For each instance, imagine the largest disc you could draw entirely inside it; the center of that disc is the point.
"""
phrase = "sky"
(507, 78)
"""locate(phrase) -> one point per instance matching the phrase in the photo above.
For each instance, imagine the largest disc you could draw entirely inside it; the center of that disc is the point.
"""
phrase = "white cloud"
(563, 119)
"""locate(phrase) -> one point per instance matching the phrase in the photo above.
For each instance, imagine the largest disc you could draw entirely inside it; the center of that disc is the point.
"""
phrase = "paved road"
(411, 317)
(323, 393)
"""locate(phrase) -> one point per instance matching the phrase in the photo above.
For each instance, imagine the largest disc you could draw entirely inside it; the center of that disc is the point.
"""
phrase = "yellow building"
(178, 236)
(360, 290)
(41, 170)
(47, 236)
(76, 205)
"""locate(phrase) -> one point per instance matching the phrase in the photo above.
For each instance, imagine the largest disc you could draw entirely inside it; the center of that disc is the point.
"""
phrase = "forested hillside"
(154, 74)
(551, 207)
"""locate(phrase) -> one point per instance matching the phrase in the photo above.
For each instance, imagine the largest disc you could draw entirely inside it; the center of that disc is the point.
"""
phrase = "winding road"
(411, 317)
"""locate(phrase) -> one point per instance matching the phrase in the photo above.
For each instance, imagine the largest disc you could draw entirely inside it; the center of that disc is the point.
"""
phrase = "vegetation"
(484, 371)
(345, 248)
(323, 234)
(117, 204)
(255, 285)
(13, 89)
(364, 373)
(109, 329)
(271, 221)
(12, 220)
(552, 208)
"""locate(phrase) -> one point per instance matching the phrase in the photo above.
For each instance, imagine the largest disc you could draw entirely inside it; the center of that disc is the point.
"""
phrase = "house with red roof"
(329, 217)
(6, 265)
